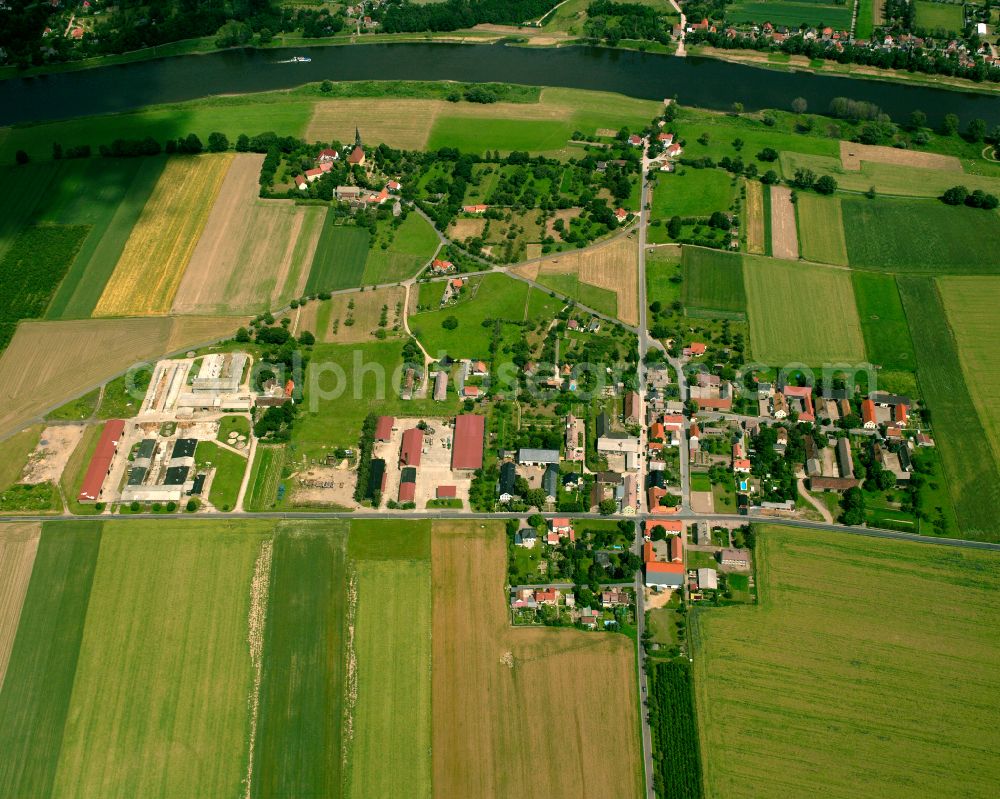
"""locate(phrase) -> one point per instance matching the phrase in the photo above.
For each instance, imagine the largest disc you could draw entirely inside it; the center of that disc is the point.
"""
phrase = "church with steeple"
(357, 155)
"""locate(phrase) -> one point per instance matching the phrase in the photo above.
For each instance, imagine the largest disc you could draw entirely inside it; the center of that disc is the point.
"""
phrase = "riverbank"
(787, 63)
(532, 38)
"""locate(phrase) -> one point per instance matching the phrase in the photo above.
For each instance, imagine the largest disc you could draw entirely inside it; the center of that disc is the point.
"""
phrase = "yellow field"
(830, 687)
(161, 243)
(511, 714)
(755, 217)
(613, 265)
(49, 363)
(821, 225)
(18, 545)
(254, 254)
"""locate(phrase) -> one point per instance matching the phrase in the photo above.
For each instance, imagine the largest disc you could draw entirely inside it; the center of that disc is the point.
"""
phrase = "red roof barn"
(447, 492)
(407, 491)
(413, 442)
(100, 463)
(467, 448)
(383, 428)
(676, 549)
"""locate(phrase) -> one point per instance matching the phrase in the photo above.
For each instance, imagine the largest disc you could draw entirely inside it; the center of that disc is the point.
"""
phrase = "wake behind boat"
(298, 59)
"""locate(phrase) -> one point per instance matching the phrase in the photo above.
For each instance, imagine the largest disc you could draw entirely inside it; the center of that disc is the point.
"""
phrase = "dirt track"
(784, 236)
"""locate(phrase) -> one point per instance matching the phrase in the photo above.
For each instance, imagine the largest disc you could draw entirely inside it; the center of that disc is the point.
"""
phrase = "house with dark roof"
(508, 477)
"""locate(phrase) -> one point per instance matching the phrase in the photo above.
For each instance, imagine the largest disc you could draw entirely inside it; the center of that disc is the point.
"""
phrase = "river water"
(705, 82)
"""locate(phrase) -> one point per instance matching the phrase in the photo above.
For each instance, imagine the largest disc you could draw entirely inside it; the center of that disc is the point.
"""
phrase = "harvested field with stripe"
(784, 236)
(801, 313)
(811, 693)
(822, 226)
(162, 691)
(254, 254)
(68, 359)
(613, 266)
(18, 545)
(35, 700)
(755, 217)
(852, 154)
(161, 244)
(521, 680)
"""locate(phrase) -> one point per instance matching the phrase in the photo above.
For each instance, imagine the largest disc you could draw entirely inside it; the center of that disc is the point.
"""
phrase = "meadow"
(490, 297)
(339, 260)
(932, 17)
(663, 275)
(327, 319)
(970, 304)
(35, 700)
(251, 114)
(691, 192)
(410, 247)
(108, 196)
(298, 745)
(920, 236)
(164, 658)
(163, 239)
(713, 281)
(229, 470)
(962, 442)
(801, 314)
(476, 135)
(785, 689)
(31, 269)
(791, 13)
(253, 254)
(821, 229)
(883, 321)
(569, 285)
(391, 730)
(888, 178)
(517, 681)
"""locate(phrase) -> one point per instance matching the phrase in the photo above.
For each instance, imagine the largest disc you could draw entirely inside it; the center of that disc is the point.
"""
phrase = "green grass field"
(251, 114)
(412, 246)
(891, 179)
(864, 25)
(265, 477)
(160, 698)
(390, 748)
(476, 135)
(883, 321)
(229, 470)
(692, 192)
(797, 719)
(569, 284)
(395, 540)
(663, 276)
(339, 260)
(779, 12)
(801, 314)
(713, 281)
(108, 195)
(970, 304)
(969, 464)
(298, 748)
(35, 700)
(920, 236)
(939, 16)
(492, 297)
(821, 229)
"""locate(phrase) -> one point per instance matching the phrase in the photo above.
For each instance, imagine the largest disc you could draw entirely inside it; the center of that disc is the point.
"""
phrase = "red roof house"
(467, 448)
(413, 442)
(446, 492)
(383, 428)
(697, 348)
(100, 463)
(868, 414)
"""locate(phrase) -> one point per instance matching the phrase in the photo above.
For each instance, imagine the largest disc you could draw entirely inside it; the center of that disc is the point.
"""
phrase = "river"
(705, 82)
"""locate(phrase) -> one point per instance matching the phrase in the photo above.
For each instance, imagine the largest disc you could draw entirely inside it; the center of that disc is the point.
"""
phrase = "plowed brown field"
(510, 713)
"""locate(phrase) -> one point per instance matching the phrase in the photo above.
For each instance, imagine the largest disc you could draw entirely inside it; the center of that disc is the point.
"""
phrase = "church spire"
(357, 137)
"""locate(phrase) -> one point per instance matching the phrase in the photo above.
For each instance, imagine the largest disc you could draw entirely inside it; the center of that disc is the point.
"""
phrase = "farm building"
(664, 575)
(220, 373)
(708, 579)
(441, 386)
(383, 428)
(376, 477)
(677, 549)
(508, 478)
(537, 457)
(467, 448)
(446, 492)
(407, 491)
(409, 451)
(100, 463)
(736, 558)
